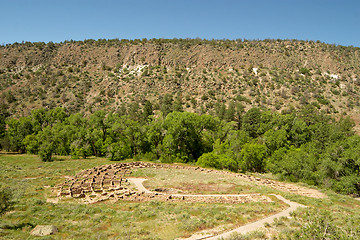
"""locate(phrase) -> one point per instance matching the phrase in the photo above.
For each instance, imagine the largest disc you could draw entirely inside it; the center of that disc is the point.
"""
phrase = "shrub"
(214, 160)
(322, 224)
(211, 160)
(347, 184)
(119, 151)
(5, 200)
(253, 155)
(171, 158)
(305, 71)
(46, 151)
(204, 97)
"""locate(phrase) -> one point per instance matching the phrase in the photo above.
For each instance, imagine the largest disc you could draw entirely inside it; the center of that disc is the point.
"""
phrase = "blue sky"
(329, 21)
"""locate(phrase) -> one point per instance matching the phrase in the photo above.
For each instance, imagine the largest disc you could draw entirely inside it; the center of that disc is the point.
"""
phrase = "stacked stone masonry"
(108, 182)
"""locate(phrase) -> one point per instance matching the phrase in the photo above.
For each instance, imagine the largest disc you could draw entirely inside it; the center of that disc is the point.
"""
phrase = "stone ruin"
(108, 182)
(98, 183)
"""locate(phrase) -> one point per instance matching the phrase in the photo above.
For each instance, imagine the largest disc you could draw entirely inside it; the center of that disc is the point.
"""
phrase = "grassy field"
(32, 180)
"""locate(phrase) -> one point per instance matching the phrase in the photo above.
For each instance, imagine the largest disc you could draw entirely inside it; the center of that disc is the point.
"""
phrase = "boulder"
(44, 230)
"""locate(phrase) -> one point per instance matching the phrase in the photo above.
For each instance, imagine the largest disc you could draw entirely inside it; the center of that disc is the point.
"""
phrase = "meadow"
(32, 180)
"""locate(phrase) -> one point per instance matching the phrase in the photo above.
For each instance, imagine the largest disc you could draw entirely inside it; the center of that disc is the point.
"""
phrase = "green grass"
(335, 217)
(340, 212)
(31, 181)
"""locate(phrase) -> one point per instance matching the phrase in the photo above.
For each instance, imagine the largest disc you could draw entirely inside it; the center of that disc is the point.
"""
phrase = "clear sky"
(329, 21)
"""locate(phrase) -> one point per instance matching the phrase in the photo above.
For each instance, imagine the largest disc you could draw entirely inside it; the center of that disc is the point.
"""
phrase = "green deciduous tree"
(252, 157)
(119, 150)
(31, 144)
(147, 110)
(17, 131)
(275, 139)
(187, 135)
(166, 104)
(222, 157)
(251, 122)
(47, 144)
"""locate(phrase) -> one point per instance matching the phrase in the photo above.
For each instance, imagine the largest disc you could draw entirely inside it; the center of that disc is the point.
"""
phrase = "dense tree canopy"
(303, 146)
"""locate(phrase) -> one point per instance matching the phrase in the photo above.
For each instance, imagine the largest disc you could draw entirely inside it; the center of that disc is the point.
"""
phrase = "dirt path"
(138, 182)
(260, 223)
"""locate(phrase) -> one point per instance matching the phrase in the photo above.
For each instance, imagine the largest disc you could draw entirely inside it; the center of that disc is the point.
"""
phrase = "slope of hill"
(198, 75)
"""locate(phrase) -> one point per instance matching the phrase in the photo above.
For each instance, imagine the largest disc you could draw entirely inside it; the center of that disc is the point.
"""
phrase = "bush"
(322, 100)
(148, 156)
(31, 143)
(175, 157)
(80, 149)
(322, 224)
(119, 151)
(6, 202)
(253, 156)
(204, 97)
(347, 184)
(214, 160)
(305, 71)
(211, 160)
(46, 151)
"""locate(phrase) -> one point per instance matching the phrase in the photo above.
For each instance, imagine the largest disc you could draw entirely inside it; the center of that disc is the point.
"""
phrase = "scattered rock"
(160, 190)
(44, 230)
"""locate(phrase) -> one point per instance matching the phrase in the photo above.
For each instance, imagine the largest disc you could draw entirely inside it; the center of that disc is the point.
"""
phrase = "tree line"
(299, 145)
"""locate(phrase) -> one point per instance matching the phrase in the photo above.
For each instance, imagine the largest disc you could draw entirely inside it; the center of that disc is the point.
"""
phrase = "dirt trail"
(138, 182)
(260, 223)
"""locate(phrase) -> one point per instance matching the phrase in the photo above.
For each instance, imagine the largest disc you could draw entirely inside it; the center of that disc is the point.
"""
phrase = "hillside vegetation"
(195, 75)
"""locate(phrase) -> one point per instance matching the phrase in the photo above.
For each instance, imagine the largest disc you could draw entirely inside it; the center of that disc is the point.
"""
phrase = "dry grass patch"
(195, 182)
